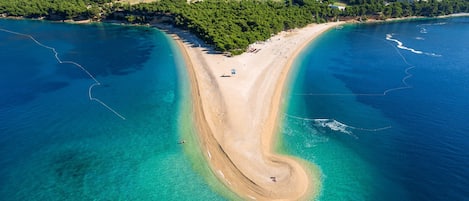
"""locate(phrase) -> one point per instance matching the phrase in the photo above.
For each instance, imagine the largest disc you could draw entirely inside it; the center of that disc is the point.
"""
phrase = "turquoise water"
(57, 144)
(382, 110)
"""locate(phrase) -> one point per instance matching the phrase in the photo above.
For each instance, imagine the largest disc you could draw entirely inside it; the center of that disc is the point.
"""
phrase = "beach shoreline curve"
(236, 114)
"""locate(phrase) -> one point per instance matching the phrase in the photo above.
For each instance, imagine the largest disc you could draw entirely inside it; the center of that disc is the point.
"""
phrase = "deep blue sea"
(383, 110)
(63, 136)
(94, 112)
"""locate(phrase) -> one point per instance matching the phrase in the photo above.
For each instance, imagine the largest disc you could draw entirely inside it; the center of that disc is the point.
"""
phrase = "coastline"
(236, 130)
(268, 135)
(400, 19)
(192, 145)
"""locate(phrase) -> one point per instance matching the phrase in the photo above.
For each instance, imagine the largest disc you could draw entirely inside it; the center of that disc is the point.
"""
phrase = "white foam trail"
(433, 24)
(335, 125)
(56, 55)
(407, 76)
(423, 30)
(400, 45)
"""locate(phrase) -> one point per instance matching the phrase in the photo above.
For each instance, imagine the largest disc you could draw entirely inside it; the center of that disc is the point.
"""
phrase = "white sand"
(236, 117)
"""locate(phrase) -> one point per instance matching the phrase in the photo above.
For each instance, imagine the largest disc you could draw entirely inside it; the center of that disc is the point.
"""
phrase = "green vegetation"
(52, 9)
(230, 25)
(384, 9)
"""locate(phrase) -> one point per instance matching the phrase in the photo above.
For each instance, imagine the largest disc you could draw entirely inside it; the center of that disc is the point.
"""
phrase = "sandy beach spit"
(236, 104)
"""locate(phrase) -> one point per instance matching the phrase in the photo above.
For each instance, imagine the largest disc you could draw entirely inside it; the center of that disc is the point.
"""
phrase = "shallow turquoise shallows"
(57, 144)
(383, 110)
(95, 112)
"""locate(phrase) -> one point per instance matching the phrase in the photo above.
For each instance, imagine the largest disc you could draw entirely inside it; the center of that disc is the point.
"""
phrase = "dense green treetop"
(52, 9)
(229, 25)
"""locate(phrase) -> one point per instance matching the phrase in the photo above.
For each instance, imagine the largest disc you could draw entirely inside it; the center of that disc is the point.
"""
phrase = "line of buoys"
(407, 76)
(336, 125)
(56, 55)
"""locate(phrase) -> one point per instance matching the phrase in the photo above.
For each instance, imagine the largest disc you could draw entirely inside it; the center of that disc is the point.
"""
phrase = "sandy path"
(236, 117)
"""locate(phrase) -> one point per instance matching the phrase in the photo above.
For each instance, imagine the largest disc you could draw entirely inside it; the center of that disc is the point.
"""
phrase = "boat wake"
(424, 30)
(60, 61)
(400, 45)
(335, 125)
(404, 84)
